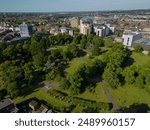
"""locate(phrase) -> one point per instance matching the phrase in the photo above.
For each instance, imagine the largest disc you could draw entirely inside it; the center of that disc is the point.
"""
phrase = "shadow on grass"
(135, 108)
(27, 90)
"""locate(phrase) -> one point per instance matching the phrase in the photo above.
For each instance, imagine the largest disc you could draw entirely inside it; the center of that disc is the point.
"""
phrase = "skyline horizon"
(75, 11)
(71, 5)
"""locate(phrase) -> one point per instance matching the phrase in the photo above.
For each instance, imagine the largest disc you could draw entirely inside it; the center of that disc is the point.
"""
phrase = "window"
(128, 41)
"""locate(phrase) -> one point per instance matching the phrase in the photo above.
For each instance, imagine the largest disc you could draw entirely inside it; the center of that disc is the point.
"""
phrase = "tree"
(12, 89)
(111, 78)
(34, 38)
(83, 42)
(130, 74)
(54, 74)
(78, 79)
(119, 33)
(146, 73)
(138, 48)
(39, 61)
(56, 53)
(12, 77)
(98, 41)
(67, 54)
(73, 49)
(76, 83)
(139, 82)
(9, 53)
(28, 72)
(149, 52)
(65, 83)
(3, 93)
(98, 67)
(117, 55)
(90, 38)
(76, 39)
(108, 42)
(37, 47)
(96, 50)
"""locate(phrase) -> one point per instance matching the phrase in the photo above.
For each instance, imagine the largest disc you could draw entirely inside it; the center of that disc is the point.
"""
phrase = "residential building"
(63, 30)
(103, 30)
(85, 26)
(130, 37)
(34, 105)
(100, 31)
(144, 42)
(55, 31)
(26, 30)
(75, 22)
(7, 106)
(71, 33)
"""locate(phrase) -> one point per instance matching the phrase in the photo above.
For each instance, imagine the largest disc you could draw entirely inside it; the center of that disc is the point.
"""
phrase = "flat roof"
(131, 33)
(4, 103)
(143, 41)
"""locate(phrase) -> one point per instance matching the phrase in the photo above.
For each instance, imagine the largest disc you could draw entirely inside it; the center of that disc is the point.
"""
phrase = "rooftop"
(143, 41)
(4, 103)
(130, 33)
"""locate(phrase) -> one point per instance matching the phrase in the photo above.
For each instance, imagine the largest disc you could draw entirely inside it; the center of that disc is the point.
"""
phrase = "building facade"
(26, 30)
(85, 27)
(100, 31)
(74, 22)
(130, 37)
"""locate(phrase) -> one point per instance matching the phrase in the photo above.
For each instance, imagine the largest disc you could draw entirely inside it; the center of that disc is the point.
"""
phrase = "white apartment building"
(100, 31)
(130, 37)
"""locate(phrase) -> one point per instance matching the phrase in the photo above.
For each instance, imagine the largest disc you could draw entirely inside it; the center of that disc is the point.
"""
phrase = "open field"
(41, 94)
(76, 62)
(127, 95)
(140, 59)
(97, 95)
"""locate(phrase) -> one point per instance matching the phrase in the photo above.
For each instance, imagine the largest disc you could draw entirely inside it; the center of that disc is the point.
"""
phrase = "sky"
(71, 5)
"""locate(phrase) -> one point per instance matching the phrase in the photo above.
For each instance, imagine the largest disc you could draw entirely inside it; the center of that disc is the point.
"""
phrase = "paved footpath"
(109, 96)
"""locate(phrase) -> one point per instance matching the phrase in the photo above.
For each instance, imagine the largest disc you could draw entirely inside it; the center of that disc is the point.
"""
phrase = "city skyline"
(71, 5)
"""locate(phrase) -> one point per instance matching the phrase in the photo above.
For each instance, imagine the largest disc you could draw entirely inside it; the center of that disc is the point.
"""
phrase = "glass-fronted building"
(26, 30)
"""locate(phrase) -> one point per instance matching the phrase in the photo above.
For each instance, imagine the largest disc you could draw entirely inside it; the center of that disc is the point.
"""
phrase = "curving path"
(109, 97)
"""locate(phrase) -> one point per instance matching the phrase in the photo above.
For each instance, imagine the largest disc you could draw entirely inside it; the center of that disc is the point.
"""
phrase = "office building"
(25, 30)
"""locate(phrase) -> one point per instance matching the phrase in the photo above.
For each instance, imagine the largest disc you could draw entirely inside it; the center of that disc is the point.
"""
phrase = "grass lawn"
(127, 95)
(64, 48)
(76, 62)
(140, 59)
(123, 96)
(41, 94)
(78, 109)
(97, 95)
